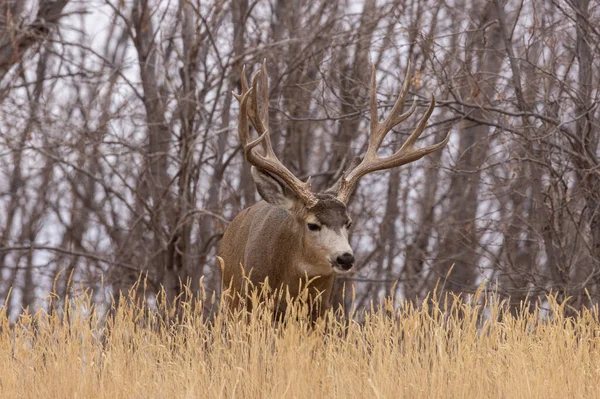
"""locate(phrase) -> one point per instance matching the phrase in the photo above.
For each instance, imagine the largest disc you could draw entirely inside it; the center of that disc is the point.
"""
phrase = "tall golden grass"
(475, 350)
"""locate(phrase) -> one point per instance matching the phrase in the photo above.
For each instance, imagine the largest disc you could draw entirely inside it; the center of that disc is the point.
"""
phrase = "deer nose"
(345, 260)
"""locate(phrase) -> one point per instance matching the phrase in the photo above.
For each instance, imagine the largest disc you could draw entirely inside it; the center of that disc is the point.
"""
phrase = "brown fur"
(270, 242)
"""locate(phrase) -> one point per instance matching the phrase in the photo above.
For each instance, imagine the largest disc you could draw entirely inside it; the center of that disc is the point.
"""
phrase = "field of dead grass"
(465, 351)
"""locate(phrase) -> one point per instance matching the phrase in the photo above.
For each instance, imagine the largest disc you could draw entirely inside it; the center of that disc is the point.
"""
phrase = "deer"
(294, 235)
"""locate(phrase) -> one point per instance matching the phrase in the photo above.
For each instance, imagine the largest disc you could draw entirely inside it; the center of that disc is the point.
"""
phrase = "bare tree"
(118, 157)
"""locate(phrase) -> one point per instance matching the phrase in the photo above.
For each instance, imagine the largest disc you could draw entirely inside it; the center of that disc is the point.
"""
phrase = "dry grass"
(408, 353)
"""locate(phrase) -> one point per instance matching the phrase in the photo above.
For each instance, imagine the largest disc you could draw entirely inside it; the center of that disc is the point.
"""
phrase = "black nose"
(345, 261)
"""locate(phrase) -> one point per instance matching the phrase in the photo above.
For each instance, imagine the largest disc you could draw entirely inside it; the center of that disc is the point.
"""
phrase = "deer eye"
(349, 225)
(313, 227)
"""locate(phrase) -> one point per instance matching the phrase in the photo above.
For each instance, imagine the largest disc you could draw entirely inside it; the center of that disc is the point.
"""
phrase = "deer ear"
(274, 190)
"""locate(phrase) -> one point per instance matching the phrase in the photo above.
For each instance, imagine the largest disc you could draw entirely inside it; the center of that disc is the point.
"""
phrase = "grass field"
(432, 352)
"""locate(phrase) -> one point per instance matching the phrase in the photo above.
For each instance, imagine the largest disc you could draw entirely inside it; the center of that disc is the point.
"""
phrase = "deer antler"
(249, 109)
(406, 154)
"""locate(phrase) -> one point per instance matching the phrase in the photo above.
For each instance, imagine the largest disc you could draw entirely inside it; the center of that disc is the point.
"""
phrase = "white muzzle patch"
(336, 244)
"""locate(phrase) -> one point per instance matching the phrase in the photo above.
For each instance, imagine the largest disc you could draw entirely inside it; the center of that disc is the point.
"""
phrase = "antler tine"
(258, 116)
(265, 93)
(406, 154)
(243, 132)
(244, 86)
(416, 133)
(242, 98)
(380, 129)
(393, 119)
(254, 113)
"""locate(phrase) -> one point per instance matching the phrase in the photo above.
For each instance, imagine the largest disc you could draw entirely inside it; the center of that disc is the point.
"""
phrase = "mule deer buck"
(295, 234)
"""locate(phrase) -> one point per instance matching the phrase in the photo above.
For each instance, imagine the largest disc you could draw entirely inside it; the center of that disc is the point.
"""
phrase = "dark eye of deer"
(313, 227)
(349, 226)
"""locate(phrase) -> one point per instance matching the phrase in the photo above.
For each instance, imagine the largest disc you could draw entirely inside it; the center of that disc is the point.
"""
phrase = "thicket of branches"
(119, 154)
